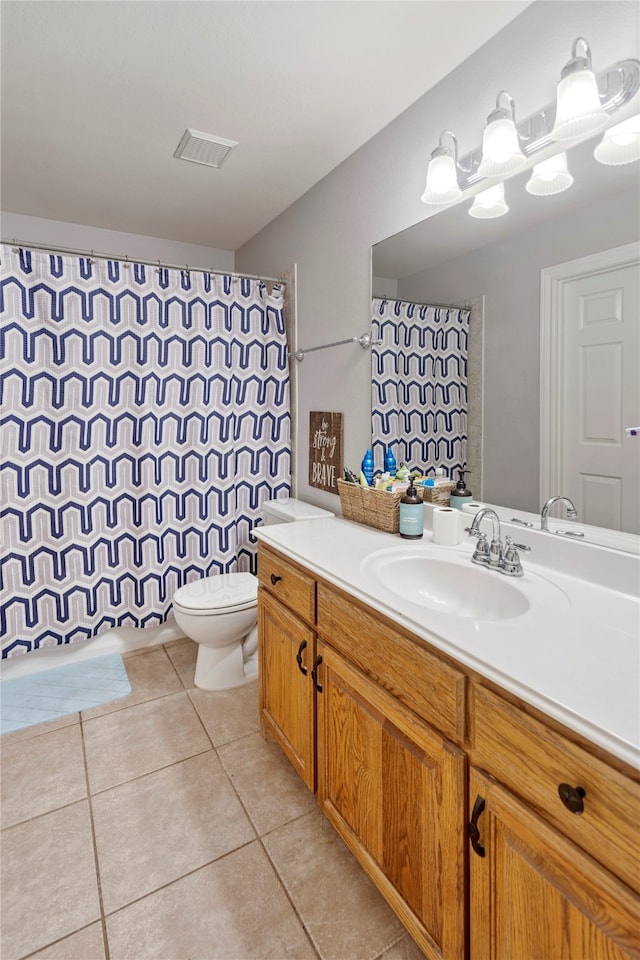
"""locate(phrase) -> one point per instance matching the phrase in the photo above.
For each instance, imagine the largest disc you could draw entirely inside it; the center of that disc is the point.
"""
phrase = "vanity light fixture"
(578, 107)
(501, 152)
(550, 177)
(489, 204)
(585, 103)
(442, 175)
(620, 144)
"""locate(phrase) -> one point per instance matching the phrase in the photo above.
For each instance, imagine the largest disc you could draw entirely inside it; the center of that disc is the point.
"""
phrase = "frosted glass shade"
(442, 181)
(620, 144)
(578, 107)
(549, 177)
(501, 153)
(489, 204)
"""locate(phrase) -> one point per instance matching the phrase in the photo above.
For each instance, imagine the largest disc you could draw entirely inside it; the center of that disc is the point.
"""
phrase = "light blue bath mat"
(61, 690)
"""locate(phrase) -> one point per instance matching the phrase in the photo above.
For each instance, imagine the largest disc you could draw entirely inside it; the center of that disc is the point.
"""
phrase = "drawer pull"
(474, 832)
(314, 673)
(275, 578)
(303, 670)
(572, 797)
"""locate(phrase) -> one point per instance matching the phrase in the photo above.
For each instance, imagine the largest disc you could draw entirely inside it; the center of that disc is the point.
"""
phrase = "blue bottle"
(390, 464)
(368, 466)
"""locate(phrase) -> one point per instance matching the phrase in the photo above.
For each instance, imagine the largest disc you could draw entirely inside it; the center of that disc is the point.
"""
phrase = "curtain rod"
(424, 303)
(364, 341)
(52, 248)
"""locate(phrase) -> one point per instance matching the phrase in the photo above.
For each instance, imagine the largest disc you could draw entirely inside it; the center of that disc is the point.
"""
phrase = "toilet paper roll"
(447, 526)
(473, 506)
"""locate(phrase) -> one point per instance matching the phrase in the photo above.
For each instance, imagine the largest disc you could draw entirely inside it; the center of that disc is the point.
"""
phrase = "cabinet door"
(394, 789)
(286, 650)
(535, 895)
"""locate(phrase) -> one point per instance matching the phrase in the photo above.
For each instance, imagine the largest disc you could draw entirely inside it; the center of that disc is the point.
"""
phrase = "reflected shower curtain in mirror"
(419, 384)
(145, 420)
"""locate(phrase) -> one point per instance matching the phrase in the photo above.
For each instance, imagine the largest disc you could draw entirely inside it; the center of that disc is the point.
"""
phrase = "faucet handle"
(511, 566)
(481, 553)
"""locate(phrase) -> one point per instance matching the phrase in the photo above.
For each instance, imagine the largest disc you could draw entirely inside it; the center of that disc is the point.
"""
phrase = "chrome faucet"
(489, 555)
(505, 559)
(572, 513)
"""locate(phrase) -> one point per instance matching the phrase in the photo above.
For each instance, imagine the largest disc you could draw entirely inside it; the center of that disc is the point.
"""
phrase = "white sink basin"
(446, 583)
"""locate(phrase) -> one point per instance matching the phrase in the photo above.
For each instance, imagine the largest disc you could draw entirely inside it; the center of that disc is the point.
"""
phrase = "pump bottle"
(411, 514)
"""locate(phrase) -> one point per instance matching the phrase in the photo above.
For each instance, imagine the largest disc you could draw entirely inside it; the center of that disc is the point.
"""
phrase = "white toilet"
(220, 613)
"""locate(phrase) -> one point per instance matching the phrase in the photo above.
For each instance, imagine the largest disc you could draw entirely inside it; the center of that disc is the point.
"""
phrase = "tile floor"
(162, 827)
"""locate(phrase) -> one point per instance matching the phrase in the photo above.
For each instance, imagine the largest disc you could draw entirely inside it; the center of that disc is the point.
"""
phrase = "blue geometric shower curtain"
(419, 384)
(145, 418)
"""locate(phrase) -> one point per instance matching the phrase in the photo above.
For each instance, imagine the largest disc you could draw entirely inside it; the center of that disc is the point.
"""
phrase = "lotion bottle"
(411, 514)
(461, 495)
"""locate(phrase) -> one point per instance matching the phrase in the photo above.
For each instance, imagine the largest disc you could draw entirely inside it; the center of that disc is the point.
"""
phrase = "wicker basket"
(375, 508)
(439, 496)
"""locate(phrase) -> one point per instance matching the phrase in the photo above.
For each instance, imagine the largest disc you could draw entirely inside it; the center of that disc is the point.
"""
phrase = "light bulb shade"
(549, 177)
(442, 181)
(578, 107)
(620, 144)
(501, 153)
(489, 204)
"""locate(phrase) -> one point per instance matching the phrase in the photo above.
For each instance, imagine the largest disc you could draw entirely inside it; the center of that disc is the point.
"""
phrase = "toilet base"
(221, 668)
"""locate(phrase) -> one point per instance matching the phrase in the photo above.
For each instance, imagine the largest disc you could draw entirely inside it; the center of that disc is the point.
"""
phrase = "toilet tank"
(288, 509)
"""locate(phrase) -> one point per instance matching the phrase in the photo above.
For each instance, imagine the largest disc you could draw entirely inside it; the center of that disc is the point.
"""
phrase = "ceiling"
(96, 95)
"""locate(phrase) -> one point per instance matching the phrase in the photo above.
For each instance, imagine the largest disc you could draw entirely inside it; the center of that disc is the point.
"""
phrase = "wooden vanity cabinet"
(286, 654)
(446, 788)
(394, 790)
(536, 895)
(548, 877)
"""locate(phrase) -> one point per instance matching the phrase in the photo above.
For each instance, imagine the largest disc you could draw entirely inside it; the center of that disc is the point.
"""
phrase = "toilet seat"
(211, 596)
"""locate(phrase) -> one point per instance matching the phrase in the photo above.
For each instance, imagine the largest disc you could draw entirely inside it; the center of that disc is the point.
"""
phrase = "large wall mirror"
(561, 269)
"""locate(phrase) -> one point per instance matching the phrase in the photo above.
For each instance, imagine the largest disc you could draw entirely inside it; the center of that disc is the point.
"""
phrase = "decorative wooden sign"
(325, 450)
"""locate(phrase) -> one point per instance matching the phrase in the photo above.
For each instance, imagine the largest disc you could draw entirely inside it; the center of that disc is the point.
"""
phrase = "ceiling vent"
(204, 148)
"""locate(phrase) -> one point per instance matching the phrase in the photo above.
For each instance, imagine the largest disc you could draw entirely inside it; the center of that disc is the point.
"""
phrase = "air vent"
(204, 148)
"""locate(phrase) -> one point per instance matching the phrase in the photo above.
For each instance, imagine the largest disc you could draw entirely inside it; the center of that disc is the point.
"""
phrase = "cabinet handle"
(572, 797)
(274, 579)
(314, 673)
(303, 670)
(474, 833)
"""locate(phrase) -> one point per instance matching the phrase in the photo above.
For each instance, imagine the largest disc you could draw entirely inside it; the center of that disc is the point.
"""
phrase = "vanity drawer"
(533, 760)
(297, 590)
(431, 688)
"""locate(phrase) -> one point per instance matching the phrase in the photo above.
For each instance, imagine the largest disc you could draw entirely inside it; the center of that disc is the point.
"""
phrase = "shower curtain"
(419, 384)
(145, 418)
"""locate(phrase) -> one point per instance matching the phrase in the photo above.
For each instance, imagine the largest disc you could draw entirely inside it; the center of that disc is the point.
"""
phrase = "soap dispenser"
(411, 514)
(461, 494)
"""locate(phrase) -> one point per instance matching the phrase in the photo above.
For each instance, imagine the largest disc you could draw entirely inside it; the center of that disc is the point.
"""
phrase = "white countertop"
(574, 654)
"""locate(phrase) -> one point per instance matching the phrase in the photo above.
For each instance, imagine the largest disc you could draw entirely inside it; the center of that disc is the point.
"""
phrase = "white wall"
(376, 193)
(35, 230)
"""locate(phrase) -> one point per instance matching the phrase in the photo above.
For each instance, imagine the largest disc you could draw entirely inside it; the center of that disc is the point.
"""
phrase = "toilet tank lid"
(225, 590)
(289, 508)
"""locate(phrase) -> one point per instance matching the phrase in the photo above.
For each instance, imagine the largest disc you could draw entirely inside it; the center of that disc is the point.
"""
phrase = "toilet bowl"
(220, 613)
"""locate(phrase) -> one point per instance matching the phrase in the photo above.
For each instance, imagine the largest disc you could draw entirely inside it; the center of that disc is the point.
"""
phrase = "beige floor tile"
(267, 784)
(41, 774)
(157, 828)
(404, 949)
(324, 881)
(140, 739)
(228, 714)
(151, 675)
(87, 944)
(49, 886)
(183, 656)
(37, 729)
(234, 908)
